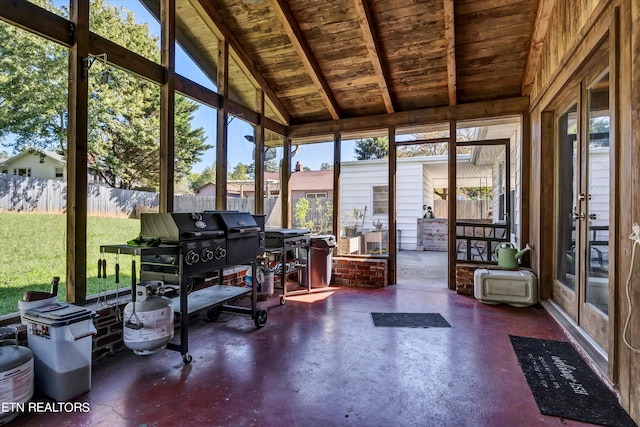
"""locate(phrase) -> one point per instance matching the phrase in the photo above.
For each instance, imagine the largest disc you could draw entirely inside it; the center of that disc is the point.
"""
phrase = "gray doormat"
(410, 320)
(563, 385)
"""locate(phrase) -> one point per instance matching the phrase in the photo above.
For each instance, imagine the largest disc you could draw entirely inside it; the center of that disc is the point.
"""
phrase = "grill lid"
(238, 223)
(178, 226)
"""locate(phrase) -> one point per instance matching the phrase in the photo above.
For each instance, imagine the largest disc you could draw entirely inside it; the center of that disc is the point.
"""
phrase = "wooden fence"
(36, 195)
(467, 209)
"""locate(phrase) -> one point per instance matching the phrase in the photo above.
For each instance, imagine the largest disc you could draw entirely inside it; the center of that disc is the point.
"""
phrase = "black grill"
(197, 243)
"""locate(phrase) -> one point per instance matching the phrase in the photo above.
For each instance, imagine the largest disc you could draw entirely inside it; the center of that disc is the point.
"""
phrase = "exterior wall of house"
(46, 170)
(357, 179)
(414, 189)
(516, 185)
(208, 191)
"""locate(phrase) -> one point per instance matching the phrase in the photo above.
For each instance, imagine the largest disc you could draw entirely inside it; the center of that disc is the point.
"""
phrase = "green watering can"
(508, 255)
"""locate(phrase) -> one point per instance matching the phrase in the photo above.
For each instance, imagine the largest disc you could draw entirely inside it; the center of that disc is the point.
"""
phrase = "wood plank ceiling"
(331, 59)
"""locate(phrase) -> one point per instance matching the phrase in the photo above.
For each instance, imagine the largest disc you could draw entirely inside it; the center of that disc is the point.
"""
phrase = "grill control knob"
(191, 258)
(220, 253)
(206, 255)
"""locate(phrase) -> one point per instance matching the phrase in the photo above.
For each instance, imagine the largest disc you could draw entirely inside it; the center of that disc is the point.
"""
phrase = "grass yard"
(33, 251)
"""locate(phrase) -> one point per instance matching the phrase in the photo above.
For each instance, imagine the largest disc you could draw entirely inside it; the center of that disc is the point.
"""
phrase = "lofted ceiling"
(321, 60)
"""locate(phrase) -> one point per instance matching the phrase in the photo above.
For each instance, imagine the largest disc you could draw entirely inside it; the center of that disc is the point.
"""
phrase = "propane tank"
(16, 376)
(148, 319)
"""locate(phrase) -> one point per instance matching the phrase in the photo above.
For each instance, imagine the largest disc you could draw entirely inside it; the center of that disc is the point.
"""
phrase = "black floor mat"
(410, 320)
(563, 385)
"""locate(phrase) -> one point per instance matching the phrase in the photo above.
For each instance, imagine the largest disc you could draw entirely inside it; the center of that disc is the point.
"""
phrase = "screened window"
(380, 199)
(315, 195)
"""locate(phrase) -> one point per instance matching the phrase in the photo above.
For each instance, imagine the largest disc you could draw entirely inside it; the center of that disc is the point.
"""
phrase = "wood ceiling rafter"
(209, 13)
(366, 23)
(537, 42)
(450, 37)
(291, 27)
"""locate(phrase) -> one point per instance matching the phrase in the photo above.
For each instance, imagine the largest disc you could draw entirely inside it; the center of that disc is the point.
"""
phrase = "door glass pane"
(481, 195)
(598, 200)
(567, 175)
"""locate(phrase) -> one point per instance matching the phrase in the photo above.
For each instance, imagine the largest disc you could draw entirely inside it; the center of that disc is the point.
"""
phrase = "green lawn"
(33, 251)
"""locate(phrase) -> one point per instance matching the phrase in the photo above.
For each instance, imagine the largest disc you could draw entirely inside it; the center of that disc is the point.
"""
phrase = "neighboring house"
(303, 184)
(36, 163)
(45, 164)
(209, 190)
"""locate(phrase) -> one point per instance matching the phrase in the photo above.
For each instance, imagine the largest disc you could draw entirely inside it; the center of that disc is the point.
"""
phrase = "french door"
(583, 205)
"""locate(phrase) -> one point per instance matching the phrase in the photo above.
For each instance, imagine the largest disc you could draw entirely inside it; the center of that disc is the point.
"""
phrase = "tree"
(197, 180)
(124, 110)
(372, 148)
(239, 172)
(326, 166)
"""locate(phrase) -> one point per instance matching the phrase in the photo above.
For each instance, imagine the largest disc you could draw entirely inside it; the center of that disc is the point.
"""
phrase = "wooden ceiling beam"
(211, 16)
(38, 20)
(460, 112)
(291, 27)
(366, 23)
(450, 37)
(537, 41)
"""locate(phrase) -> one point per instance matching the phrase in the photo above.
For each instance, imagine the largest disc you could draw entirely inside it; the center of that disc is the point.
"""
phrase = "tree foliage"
(372, 148)
(239, 172)
(326, 166)
(124, 110)
(197, 180)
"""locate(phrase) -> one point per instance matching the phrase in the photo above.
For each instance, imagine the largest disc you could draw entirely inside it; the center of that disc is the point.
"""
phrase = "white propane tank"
(148, 322)
(16, 377)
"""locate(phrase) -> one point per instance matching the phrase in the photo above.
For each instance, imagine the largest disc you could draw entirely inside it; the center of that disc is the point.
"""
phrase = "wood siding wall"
(576, 29)
(565, 31)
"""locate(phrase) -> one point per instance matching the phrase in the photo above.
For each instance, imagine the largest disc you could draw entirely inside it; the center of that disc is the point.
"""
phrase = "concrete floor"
(320, 361)
(422, 268)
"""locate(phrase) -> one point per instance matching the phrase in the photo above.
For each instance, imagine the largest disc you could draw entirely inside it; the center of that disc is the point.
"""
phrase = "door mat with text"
(563, 385)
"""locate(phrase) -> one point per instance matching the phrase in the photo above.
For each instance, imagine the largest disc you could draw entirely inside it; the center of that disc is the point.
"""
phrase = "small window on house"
(59, 173)
(315, 195)
(22, 172)
(380, 199)
(5, 171)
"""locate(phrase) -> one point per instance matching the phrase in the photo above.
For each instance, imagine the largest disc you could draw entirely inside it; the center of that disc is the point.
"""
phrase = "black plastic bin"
(321, 249)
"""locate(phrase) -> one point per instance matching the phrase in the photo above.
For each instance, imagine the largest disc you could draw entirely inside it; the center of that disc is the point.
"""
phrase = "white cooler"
(517, 288)
(60, 337)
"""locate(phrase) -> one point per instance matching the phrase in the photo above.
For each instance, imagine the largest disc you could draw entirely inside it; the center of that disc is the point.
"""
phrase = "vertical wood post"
(221, 134)
(259, 156)
(167, 105)
(285, 188)
(77, 155)
(337, 153)
(451, 205)
(391, 236)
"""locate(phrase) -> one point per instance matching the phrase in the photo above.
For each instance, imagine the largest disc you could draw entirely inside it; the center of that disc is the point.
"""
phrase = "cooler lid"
(323, 240)
(58, 314)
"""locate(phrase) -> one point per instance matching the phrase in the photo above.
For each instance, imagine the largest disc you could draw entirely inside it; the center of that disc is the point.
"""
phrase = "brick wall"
(464, 277)
(356, 271)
